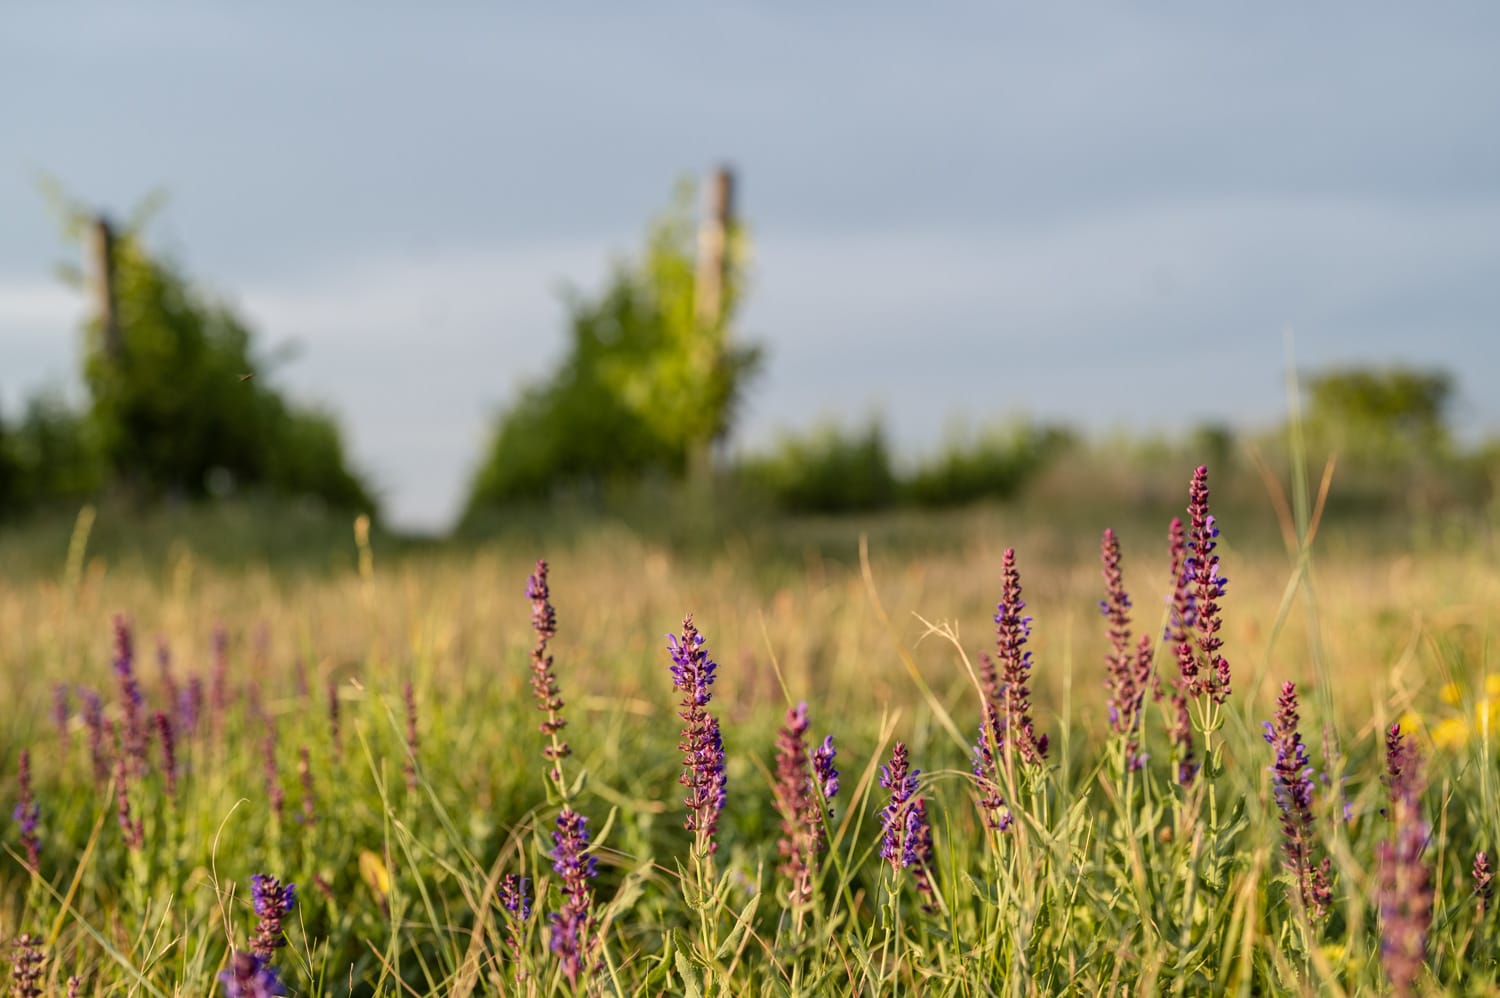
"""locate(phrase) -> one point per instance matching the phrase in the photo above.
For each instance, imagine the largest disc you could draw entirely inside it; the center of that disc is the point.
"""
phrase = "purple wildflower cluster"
(906, 833)
(409, 699)
(27, 967)
(1405, 881)
(1204, 670)
(133, 730)
(573, 939)
(693, 673)
(804, 793)
(543, 679)
(1292, 783)
(1006, 730)
(273, 901)
(27, 813)
(1128, 672)
(1012, 629)
(1180, 619)
(1484, 883)
(250, 976)
(515, 898)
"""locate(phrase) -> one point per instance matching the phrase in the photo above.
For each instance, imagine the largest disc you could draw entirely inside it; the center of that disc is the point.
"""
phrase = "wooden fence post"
(713, 249)
(99, 246)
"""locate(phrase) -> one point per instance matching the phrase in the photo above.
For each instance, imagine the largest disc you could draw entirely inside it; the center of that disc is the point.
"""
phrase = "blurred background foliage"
(637, 421)
(646, 384)
(179, 405)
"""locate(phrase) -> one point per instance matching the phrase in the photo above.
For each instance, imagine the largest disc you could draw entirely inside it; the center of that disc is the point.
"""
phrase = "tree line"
(181, 406)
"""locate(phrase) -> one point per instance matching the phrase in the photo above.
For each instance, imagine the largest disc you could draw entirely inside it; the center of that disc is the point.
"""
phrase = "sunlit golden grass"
(880, 644)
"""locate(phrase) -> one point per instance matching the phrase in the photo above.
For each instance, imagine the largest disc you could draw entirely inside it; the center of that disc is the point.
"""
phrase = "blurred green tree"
(178, 404)
(1381, 416)
(646, 385)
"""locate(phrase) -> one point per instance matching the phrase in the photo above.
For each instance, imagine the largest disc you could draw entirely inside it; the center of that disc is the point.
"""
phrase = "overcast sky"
(1108, 214)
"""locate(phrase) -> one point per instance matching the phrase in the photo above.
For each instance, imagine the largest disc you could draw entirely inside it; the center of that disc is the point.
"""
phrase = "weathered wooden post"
(711, 295)
(713, 249)
(99, 246)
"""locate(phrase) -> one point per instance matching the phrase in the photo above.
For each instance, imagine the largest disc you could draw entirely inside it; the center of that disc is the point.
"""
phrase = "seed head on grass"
(1292, 783)
(693, 673)
(573, 940)
(799, 787)
(273, 901)
(543, 679)
(250, 976)
(27, 814)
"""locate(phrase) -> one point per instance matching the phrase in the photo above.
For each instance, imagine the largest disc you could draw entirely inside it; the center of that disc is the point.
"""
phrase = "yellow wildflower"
(1450, 732)
(1487, 716)
(1451, 694)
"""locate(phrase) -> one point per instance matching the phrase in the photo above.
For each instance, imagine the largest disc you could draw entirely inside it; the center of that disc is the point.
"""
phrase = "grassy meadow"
(361, 720)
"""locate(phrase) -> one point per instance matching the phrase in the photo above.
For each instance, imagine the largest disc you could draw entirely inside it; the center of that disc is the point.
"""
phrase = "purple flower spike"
(543, 678)
(409, 695)
(906, 841)
(309, 796)
(1204, 670)
(573, 924)
(28, 967)
(901, 781)
(797, 791)
(1129, 671)
(93, 720)
(27, 814)
(130, 825)
(515, 898)
(333, 720)
(1292, 783)
(827, 776)
(1179, 620)
(273, 901)
(989, 769)
(134, 733)
(1405, 894)
(1012, 629)
(1484, 883)
(250, 976)
(61, 711)
(275, 793)
(702, 746)
(165, 735)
